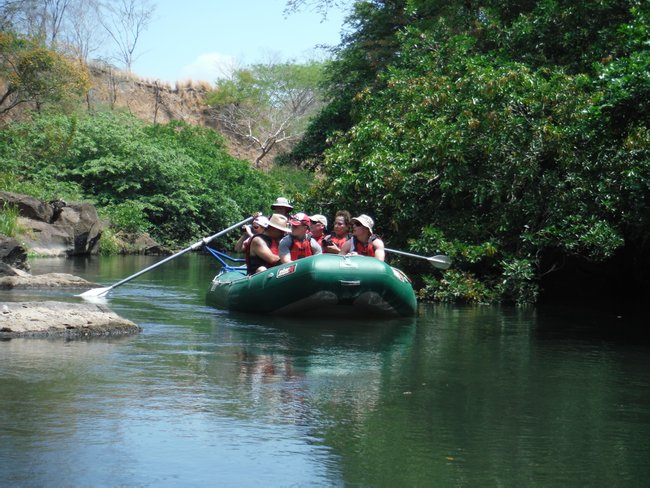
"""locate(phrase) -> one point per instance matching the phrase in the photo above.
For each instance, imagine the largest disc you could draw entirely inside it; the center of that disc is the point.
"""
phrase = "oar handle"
(406, 253)
(193, 247)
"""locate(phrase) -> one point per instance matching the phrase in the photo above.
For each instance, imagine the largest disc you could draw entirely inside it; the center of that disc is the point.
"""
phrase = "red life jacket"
(320, 239)
(300, 249)
(339, 241)
(254, 262)
(366, 249)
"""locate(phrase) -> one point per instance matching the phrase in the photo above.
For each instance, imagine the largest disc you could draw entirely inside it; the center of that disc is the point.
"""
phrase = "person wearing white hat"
(318, 227)
(263, 249)
(259, 224)
(282, 206)
(363, 241)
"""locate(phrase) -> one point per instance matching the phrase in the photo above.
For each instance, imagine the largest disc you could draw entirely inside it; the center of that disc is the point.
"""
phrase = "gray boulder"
(86, 227)
(57, 228)
(13, 254)
(27, 206)
(49, 318)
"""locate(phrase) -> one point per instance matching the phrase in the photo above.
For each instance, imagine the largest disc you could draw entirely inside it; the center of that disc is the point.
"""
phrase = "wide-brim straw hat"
(365, 220)
(282, 202)
(280, 222)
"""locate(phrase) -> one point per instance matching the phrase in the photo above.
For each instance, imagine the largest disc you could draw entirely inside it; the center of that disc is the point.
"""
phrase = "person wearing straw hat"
(282, 206)
(263, 249)
(363, 241)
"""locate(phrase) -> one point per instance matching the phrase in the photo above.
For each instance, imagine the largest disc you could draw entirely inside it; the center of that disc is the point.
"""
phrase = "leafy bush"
(176, 181)
(9, 220)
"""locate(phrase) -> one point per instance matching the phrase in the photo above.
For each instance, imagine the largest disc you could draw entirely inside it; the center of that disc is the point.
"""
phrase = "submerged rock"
(50, 318)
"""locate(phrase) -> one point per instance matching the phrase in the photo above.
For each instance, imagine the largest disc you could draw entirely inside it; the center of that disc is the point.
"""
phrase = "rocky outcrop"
(56, 228)
(49, 280)
(36, 319)
(12, 255)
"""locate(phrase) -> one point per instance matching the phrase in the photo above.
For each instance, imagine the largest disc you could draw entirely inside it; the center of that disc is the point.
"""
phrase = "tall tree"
(125, 23)
(37, 75)
(267, 104)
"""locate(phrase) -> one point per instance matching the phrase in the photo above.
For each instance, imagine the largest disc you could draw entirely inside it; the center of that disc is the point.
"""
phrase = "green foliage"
(496, 133)
(129, 216)
(456, 286)
(176, 180)
(35, 74)
(267, 104)
(108, 243)
(8, 220)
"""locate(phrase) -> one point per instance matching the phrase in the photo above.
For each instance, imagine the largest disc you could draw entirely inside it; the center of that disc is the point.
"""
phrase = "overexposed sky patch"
(208, 67)
(188, 39)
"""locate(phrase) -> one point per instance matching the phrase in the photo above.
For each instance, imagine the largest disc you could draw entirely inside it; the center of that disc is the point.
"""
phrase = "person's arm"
(346, 247)
(315, 247)
(380, 253)
(285, 250)
(262, 251)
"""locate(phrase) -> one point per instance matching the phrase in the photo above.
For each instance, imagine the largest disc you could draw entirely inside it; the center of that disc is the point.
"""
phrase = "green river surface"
(474, 396)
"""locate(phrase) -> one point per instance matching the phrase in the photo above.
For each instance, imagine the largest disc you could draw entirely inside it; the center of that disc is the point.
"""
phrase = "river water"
(459, 396)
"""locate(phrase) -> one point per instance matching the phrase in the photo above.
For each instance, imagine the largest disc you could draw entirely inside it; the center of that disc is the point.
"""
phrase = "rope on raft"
(222, 257)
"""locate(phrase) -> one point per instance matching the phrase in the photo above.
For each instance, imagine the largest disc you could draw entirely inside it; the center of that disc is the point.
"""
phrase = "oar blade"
(440, 261)
(95, 292)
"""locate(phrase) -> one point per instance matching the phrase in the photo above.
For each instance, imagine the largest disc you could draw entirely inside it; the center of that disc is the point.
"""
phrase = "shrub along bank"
(175, 181)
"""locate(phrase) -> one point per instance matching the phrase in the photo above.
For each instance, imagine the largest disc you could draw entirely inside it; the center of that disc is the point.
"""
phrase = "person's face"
(340, 227)
(299, 231)
(257, 228)
(274, 233)
(316, 228)
(281, 210)
(359, 231)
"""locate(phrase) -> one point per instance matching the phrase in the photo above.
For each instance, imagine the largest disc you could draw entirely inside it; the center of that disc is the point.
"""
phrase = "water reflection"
(459, 396)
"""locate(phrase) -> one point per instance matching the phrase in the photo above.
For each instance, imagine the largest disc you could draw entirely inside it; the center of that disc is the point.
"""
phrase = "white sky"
(199, 39)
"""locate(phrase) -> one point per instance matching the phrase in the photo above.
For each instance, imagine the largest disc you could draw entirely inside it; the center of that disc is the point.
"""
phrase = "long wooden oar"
(440, 261)
(100, 292)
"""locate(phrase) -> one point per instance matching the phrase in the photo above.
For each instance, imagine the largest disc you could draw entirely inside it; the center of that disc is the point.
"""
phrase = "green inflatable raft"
(322, 285)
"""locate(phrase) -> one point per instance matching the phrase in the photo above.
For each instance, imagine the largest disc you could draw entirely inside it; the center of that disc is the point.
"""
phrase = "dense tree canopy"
(31, 73)
(267, 104)
(512, 136)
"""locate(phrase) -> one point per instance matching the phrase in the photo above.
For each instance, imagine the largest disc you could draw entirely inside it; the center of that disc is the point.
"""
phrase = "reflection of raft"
(327, 284)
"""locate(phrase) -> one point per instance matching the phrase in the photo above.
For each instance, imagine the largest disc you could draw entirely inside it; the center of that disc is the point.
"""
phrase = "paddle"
(440, 261)
(100, 292)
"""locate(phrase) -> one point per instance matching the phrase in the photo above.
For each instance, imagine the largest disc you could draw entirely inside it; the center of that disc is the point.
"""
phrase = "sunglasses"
(256, 226)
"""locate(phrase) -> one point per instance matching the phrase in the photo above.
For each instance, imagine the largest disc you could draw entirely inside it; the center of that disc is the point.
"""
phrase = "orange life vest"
(366, 249)
(339, 241)
(300, 249)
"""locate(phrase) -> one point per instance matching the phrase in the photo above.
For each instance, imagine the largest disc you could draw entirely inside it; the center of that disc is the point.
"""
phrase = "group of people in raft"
(286, 237)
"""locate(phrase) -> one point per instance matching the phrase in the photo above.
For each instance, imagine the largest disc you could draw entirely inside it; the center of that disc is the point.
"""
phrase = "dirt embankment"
(154, 101)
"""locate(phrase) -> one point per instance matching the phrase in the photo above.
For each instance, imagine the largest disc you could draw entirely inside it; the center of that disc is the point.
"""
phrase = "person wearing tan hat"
(263, 249)
(282, 206)
(363, 241)
(299, 243)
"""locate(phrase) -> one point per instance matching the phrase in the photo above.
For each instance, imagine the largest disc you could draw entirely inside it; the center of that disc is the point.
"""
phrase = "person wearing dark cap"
(299, 243)
(262, 251)
(282, 206)
(363, 241)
